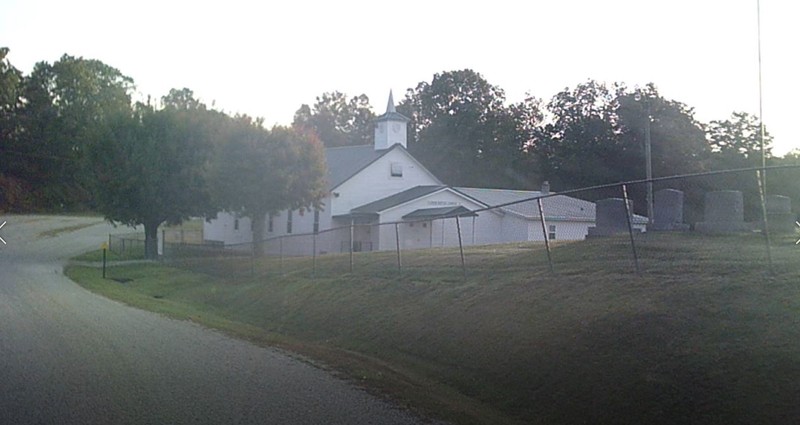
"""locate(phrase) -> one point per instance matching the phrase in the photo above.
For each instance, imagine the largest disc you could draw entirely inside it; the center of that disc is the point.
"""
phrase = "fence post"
(461, 249)
(314, 255)
(473, 230)
(443, 223)
(545, 234)
(280, 254)
(761, 176)
(397, 242)
(351, 245)
(253, 260)
(628, 214)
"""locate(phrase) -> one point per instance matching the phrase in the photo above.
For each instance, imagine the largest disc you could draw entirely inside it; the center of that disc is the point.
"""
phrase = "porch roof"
(441, 212)
(399, 198)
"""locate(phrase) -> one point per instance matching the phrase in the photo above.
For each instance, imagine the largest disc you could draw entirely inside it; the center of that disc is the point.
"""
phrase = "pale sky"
(267, 58)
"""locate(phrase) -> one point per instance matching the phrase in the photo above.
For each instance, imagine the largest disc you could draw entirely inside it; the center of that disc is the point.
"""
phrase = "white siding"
(565, 230)
(515, 229)
(375, 182)
(419, 236)
(223, 229)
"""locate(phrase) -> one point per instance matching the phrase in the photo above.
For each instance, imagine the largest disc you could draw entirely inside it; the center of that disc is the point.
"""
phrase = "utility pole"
(649, 164)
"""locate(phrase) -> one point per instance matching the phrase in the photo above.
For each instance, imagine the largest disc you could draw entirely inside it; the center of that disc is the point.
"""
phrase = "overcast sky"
(267, 58)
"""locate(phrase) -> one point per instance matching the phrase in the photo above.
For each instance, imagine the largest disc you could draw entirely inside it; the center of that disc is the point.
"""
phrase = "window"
(235, 224)
(289, 222)
(316, 221)
(552, 232)
(270, 223)
(397, 169)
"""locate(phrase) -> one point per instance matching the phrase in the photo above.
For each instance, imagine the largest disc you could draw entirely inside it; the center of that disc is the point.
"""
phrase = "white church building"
(371, 187)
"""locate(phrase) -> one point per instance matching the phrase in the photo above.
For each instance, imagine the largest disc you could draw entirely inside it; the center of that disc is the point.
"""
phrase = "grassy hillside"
(705, 335)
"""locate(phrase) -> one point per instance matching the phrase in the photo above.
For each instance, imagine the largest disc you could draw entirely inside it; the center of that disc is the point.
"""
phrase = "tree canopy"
(258, 171)
(67, 106)
(336, 120)
(151, 167)
(461, 130)
(737, 141)
(57, 122)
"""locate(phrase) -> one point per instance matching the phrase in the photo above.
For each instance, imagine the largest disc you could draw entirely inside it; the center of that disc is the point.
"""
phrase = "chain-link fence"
(173, 242)
(682, 223)
(128, 246)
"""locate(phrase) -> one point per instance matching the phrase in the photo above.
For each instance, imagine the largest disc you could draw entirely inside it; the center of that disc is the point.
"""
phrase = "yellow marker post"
(104, 247)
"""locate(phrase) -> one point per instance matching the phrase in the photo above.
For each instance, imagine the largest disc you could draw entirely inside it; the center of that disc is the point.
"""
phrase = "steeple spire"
(390, 128)
(390, 105)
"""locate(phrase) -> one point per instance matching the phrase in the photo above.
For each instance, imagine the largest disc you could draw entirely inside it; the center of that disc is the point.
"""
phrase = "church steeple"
(390, 128)
(390, 106)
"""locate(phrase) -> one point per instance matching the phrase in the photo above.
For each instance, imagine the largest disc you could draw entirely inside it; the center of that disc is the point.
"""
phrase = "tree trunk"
(151, 240)
(257, 224)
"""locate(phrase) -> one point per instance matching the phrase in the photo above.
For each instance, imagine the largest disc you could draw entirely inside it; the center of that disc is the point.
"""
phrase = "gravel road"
(68, 356)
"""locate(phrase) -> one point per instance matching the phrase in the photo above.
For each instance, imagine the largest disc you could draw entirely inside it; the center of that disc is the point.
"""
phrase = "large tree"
(462, 130)
(786, 182)
(336, 120)
(10, 103)
(258, 171)
(150, 168)
(580, 145)
(10, 81)
(678, 146)
(677, 139)
(736, 142)
(597, 136)
(68, 106)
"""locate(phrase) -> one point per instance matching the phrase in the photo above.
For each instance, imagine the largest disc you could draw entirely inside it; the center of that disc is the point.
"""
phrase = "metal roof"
(559, 207)
(345, 162)
(396, 199)
(392, 116)
(441, 212)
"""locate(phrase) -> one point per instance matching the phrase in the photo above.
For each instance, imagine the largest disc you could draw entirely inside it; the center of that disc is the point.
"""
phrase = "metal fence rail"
(127, 246)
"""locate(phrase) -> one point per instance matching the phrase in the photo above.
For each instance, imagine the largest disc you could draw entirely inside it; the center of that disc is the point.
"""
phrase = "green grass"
(97, 255)
(705, 335)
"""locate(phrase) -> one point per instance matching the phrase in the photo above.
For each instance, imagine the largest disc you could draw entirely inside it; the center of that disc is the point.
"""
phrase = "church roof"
(345, 162)
(441, 212)
(396, 199)
(558, 207)
(392, 116)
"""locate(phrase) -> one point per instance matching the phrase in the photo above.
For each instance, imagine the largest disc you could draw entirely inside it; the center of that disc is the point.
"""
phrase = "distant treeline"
(55, 122)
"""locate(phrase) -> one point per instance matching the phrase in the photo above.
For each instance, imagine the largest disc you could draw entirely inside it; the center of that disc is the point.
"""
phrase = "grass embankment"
(97, 255)
(704, 336)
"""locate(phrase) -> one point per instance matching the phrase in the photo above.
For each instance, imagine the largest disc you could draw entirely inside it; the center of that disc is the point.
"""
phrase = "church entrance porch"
(365, 233)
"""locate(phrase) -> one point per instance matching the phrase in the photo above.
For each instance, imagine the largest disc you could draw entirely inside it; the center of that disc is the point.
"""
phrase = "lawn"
(704, 335)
